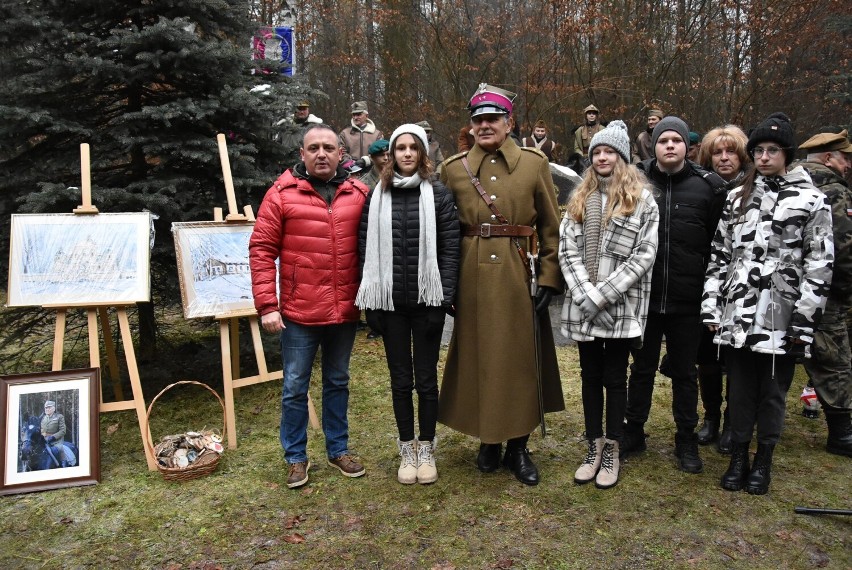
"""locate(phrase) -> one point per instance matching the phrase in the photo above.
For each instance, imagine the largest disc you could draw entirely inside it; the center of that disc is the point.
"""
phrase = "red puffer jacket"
(318, 249)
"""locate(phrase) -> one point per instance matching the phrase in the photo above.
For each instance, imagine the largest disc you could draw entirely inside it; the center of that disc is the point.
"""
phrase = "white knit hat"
(615, 136)
(410, 129)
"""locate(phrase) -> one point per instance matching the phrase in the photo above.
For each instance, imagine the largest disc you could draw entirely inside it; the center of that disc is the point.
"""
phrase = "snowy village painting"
(213, 265)
(76, 260)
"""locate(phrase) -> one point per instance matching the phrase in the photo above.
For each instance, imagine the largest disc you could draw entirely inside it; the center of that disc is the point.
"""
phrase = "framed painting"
(75, 260)
(51, 426)
(213, 266)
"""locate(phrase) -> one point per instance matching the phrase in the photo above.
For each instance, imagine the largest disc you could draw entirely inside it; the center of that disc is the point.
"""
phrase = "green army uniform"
(830, 365)
(54, 426)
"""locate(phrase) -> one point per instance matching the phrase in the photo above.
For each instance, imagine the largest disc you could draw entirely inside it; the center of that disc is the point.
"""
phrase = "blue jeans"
(299, 344)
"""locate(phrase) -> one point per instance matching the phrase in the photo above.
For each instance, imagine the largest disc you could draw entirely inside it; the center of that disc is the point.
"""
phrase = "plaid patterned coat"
(622, 286)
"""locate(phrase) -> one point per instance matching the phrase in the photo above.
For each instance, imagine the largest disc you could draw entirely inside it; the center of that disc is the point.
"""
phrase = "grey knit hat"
(670, 123)
(415, 130)
(615, 136)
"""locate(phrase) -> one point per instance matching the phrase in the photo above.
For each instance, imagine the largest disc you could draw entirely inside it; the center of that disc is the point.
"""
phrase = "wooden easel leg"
(112, 359)
(135, 384)
(228, 383)
(58, 340)
(235, 349)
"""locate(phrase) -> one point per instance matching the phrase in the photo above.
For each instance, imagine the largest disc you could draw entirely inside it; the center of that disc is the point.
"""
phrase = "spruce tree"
(148, 84)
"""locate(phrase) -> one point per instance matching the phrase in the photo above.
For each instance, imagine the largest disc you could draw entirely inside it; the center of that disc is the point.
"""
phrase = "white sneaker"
(426, 470)
(407, 474)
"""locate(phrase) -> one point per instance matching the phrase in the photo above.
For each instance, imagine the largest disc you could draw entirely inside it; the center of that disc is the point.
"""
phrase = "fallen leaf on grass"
(504, 563)
(66, 520)
(294, 538)
(294, 521)
(443, 566)
(307, 491)
(271, 485)
(113, 428)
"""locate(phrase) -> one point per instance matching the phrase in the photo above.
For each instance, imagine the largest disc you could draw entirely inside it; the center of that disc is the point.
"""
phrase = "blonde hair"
(625, 189)
(728, 136)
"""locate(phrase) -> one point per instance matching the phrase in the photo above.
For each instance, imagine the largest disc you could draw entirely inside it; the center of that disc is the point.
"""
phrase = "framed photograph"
(51, 426)
(79, 260)
(213, 266)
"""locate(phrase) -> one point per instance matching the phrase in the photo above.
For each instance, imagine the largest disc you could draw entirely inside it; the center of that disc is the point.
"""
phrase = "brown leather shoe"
(347, 465)
(298, 474)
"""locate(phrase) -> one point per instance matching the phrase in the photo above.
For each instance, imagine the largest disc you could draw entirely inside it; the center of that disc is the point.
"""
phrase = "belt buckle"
(485, 230)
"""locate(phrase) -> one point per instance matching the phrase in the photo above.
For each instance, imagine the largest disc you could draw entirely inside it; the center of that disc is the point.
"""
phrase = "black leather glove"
(542, 299)
(451, 310)
(374, 320)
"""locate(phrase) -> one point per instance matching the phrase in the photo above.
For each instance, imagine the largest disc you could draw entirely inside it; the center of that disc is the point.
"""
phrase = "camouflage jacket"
(770, 271)
(830, 183)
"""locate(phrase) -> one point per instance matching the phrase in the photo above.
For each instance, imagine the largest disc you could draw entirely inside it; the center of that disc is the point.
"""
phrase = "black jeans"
(710, 377)
(683, 333)
(755, 396)
(603, 366)
(412, 337)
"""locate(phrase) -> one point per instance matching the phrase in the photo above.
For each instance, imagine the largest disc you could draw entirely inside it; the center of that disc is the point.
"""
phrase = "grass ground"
(243, 516)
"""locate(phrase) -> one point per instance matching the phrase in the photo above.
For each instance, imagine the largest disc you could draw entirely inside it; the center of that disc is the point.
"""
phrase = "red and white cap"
(491, 100)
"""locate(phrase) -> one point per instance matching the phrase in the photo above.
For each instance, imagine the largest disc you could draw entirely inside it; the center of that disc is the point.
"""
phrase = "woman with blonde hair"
(607, 247)
(723, 150)
(409, 246)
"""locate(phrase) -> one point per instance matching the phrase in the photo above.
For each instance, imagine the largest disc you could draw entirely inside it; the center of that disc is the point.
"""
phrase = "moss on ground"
(243, 516)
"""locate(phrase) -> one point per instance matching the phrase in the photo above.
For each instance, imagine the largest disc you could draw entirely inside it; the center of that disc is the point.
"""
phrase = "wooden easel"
(92, 313)
(229, 324)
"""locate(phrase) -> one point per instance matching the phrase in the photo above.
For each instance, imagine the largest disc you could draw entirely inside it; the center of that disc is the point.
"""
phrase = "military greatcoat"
(489, 387)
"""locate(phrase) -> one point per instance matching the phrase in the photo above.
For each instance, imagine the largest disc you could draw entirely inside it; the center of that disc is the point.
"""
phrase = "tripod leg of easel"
(58, 340)
(235, 349)
(112, 359)
(135, 384)
(228, 383)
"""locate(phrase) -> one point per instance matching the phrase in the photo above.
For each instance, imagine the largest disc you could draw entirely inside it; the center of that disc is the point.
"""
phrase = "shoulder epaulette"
(455, 157)
(534, 150)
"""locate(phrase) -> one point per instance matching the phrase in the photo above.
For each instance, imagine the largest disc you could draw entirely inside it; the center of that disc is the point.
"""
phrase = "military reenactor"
(644, 148)
(829, 367)
(584, 133)
(542, 142)
(492, 387)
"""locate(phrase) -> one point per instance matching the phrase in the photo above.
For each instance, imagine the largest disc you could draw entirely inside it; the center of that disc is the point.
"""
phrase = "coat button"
(493, 161)
(493, 217)
(493, 179)
(493, 197)
(493, 257)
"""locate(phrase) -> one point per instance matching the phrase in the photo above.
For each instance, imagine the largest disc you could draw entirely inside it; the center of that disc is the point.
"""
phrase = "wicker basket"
(206, 463)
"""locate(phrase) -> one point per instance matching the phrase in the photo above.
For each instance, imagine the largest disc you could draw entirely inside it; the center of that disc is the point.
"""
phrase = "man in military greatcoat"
(490, 388)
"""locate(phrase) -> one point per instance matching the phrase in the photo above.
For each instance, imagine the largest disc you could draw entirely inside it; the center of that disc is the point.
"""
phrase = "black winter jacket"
(405, 224)
(690, 203)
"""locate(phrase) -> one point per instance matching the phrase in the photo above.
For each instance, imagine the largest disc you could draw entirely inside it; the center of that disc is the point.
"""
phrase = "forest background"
(149, 84)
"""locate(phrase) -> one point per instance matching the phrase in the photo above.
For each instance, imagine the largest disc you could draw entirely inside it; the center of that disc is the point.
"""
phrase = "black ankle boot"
(488, 459)
(632, 440)
(839, 433)
(735, 477)
(758, 480)
(518, 461)
(725, 443)
(709, 432)
(686, 451)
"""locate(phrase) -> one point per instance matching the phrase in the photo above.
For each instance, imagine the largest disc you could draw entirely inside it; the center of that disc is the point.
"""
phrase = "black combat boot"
(735, 477)
(686, 450)
(632, 440)
(517, 460)
(709, 431)
(839, 433)
(488, 459)
(758, 480)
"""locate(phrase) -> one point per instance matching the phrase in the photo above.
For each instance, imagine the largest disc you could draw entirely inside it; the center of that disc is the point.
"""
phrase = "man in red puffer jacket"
(309, 222)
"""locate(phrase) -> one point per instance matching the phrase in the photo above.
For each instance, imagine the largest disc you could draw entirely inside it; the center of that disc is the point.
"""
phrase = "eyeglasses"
(759, 151)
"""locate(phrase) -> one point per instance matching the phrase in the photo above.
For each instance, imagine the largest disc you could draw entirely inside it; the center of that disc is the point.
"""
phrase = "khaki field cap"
(591, 109)
(424, 125)
(50, 404)
(828, 142)
(656, 113)
(359, 107)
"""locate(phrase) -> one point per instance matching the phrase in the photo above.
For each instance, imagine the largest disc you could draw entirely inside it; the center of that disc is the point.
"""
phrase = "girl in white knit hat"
(607, 246)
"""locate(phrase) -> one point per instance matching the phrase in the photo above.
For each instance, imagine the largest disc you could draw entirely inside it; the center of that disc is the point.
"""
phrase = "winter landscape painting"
(213, 265)
(79, 260)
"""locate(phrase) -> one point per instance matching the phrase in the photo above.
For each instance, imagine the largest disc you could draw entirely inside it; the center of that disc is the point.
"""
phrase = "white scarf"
(376, 290)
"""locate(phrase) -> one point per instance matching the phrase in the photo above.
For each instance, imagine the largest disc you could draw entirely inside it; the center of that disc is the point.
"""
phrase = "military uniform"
(583, 135)
(54, 426)
(489, 385)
